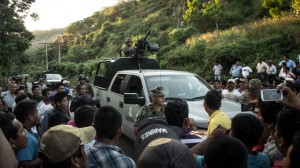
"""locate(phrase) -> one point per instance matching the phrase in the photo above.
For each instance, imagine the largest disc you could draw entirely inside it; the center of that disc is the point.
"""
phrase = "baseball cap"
(157, 91)
(64, 81)
(61, 141)
(150, 129)
(231, 80)
(166, 152)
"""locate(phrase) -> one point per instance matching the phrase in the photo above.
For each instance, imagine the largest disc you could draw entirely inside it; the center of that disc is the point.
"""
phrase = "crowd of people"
(40, 132)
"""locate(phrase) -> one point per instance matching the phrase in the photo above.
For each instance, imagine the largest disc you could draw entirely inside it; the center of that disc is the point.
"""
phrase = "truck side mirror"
(132, 98)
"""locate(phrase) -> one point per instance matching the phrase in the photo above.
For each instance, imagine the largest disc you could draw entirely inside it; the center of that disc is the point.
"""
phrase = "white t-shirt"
(246, 71)
(217, 69)
(42, 108)
(231, 95)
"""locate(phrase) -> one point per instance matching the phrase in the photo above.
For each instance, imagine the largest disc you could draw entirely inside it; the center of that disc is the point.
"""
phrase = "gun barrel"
(147, 34)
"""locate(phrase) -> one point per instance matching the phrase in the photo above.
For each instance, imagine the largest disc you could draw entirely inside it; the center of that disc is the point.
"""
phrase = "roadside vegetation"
(192, 35)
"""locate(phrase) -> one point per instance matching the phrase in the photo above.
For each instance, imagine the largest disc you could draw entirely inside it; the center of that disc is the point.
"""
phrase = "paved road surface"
(125, 143)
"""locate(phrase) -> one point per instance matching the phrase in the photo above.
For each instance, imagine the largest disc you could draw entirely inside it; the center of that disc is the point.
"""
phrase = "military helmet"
(128, 40)
(157, 91)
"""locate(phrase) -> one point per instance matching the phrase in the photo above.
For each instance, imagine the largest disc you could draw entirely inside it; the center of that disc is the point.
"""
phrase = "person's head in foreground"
(293, 153)
(177, 114)
(288, 123)
(226, 152)
(166, 152)
(14, 131)
(62, 146)
(247, 128)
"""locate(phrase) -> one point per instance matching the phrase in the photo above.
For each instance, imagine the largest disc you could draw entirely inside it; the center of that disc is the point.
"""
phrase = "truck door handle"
(121, 104)
(108, 99)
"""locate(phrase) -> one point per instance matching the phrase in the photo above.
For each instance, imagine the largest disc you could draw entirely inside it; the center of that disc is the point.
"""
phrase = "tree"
(14, 37)
(213, 9)
(296, 7)
(277, 8)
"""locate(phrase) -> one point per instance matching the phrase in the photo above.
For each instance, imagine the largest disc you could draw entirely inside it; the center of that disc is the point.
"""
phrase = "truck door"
(134, 85)
(115, 94)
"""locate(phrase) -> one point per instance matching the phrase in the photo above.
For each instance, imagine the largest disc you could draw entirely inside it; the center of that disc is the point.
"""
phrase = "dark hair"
(295, 153)
(288, 123)
(21, 98)
(283, 64)
(81, 100)
(7, 126)
(63, 164)
(17, 90)
(269, 111)
(176, 112)
(59, 96)
(24, 109)
(107, 121)
(44, 91)
(247, 128)
(217, 81)
(58, 85)
(226, 152)
(84, 116)
(34, 86)
(213, 99)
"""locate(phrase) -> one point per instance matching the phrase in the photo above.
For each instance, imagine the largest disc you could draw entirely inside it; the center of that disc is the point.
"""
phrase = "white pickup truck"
(125, 84)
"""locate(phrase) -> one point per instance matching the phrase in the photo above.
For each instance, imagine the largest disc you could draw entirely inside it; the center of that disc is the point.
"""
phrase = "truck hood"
(198, 113)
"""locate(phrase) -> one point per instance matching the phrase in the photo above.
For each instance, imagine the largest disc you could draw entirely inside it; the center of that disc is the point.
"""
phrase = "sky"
(61, 13)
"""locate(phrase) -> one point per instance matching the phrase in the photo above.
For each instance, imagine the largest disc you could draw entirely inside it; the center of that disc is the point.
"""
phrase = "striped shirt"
(108, 156)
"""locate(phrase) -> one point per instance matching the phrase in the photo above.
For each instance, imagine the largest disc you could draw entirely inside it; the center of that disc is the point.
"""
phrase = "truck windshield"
(183, 86)
(53, 77)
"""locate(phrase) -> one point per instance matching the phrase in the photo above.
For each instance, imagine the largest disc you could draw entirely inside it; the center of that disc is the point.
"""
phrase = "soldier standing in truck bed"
(156, 108)
(128, 49)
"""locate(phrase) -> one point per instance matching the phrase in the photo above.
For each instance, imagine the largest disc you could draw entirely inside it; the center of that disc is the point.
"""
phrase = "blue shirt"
(236, 70)
(31, 151)
(260, 160)
(200, 161)
(289, 63)
(108, 156)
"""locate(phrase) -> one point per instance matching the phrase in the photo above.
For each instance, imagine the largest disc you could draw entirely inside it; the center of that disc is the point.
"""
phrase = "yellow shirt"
(218, 118)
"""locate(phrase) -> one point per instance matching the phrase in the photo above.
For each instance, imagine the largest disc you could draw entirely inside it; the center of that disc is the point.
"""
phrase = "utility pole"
(59, 52)
(46, 44)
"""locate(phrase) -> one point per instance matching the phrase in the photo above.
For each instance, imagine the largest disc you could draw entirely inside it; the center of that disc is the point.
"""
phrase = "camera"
(271, 95)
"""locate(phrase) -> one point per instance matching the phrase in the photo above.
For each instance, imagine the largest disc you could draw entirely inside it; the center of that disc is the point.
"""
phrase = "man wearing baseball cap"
(156, 108)
(62, 146)
(230, 93)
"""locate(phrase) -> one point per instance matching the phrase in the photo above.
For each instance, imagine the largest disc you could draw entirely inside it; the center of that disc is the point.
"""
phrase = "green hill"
(184, 31)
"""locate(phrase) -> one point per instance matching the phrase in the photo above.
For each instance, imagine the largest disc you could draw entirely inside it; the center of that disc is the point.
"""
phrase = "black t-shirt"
(57, 117)
(37, 99)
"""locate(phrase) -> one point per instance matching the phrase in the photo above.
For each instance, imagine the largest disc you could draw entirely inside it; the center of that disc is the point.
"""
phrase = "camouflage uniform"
(128, 50)
(149, 110)
(255, 83)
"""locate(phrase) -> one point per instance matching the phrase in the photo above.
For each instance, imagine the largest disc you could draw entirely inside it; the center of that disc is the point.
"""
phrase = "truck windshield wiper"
(195, 98)
(174, 98)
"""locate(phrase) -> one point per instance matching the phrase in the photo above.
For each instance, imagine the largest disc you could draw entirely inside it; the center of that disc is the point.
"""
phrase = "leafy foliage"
(185, 30)
(14, 37)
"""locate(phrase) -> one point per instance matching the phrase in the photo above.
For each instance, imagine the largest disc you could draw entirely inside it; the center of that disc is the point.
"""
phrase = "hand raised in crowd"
(219, 131)
(192, 124)
(290, 99)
